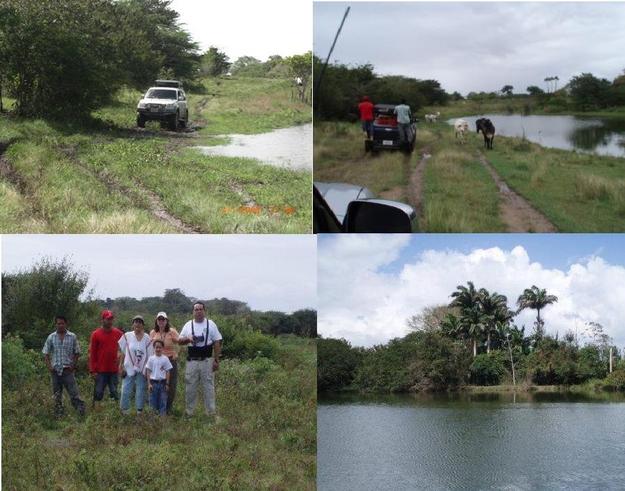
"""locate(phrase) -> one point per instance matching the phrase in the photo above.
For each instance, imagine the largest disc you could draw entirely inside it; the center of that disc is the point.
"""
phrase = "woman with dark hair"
(164, 332)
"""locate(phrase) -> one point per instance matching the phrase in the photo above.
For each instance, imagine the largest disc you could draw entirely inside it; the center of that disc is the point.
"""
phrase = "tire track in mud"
(155, 205)
(415, 184)
(516, 212)
(13, 177)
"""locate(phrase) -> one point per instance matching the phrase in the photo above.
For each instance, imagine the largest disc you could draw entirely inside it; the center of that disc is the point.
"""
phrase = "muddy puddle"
(286, 147)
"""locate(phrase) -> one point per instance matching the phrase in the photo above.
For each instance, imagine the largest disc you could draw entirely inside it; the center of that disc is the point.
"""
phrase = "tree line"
(473, 340)
(32, 298)
(74, 55)
(342, 87)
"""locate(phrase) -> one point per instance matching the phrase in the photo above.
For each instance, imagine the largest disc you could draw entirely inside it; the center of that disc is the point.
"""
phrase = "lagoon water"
(472, 442)
(604, 136)
(286, 147)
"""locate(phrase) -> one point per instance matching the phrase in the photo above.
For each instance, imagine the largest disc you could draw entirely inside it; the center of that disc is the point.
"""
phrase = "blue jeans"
(137, 384)
(158, 398)
(102, 380)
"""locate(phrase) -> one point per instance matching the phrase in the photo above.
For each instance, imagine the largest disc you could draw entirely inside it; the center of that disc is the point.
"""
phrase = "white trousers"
(199, 373)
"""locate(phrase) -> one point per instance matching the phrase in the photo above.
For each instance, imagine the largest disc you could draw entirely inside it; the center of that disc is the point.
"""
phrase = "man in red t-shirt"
(103, 362)
(366, 115)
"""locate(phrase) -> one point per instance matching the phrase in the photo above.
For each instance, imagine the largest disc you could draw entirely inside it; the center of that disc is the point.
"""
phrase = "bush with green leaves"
(615, 380)
(336, 364)
(18, 364)
(31, 299)
(488, 368)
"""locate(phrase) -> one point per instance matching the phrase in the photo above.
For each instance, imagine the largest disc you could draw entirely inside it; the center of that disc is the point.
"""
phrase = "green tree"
(495, 311)
(536, 299)
(535, 90)
(31, 299)
(337, 362)
(507, 90)
(214, 62)
(471, 321)
(589, 92)
(301, 69)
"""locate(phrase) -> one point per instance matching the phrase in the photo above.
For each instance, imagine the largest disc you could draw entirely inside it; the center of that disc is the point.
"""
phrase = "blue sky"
(368, 286)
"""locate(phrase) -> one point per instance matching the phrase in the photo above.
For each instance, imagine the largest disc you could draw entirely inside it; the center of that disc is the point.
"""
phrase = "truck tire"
(173, 122)
(140, 121)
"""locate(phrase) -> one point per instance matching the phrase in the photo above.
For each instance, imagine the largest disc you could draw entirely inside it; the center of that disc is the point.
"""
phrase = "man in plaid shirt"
(61, 351)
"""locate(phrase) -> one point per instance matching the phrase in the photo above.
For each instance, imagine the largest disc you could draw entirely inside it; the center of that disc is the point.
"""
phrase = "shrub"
(336, 364)
(488, 368)
(18, 364)
(615, 380)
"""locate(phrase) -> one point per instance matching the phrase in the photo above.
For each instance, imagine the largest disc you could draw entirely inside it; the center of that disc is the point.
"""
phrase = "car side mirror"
(379, 216)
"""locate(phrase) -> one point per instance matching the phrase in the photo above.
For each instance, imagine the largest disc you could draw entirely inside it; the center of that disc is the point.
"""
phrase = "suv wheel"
(140, 121)
(173, 123)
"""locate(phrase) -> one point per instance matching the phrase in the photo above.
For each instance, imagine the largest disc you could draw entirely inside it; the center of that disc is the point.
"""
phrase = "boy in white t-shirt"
(157, 372)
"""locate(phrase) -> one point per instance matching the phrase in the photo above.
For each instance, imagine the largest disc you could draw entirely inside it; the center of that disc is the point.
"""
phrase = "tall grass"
(264, 437)
(101, 175)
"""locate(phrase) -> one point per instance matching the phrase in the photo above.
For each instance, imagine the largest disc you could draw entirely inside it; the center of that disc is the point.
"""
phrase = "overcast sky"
(269, 272)
(477, 46)
(369, 285)
(248, 28)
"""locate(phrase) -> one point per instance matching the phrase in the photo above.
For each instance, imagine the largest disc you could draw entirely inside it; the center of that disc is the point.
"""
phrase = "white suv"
(166, 103)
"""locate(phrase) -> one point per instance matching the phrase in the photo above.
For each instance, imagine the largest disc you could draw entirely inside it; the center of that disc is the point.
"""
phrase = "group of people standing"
(144, 361)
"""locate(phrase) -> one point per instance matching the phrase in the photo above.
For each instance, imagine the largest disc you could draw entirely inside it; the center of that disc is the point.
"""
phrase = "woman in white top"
(135, 348)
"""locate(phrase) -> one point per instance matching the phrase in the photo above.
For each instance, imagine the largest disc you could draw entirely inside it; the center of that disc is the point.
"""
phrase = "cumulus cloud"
(367, 305)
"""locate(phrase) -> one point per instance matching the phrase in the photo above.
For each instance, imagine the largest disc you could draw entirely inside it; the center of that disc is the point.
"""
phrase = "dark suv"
(385, 132)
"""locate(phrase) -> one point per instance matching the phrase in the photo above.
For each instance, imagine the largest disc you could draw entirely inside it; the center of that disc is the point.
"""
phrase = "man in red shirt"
(103, 362)
(366, 115)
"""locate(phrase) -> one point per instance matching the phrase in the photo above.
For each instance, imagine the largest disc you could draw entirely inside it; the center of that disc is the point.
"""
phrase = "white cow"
(461, 127)
(432, 118)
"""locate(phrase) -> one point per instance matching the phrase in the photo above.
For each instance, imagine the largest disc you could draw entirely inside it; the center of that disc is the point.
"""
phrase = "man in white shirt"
(404, 118)
(204, 340)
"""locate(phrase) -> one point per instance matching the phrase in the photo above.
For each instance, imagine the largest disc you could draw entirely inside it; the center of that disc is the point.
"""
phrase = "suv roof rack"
(169, 83)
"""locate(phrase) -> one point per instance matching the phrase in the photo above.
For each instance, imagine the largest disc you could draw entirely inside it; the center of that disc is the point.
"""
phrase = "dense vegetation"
(472, 341)
(342, 86)
(265, 433)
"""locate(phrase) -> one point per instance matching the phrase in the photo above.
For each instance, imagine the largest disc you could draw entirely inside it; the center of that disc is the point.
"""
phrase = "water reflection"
(604, 136)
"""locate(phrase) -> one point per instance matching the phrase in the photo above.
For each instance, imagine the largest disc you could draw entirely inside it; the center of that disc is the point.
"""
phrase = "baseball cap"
(161, 314)
(138, 318)
(107, 314)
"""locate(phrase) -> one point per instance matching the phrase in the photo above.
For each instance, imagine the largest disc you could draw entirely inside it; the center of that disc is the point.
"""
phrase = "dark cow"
(488, 130)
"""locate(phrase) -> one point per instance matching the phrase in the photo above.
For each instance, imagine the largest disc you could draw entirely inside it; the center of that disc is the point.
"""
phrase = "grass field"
(576, 192)
(107, 176)
(264, 436)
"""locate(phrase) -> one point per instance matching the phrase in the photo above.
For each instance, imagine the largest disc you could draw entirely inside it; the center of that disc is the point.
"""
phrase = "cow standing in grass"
(461, 127)
(487, 128)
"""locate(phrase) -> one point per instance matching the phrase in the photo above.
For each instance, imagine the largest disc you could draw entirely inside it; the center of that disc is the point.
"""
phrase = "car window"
(161, 94)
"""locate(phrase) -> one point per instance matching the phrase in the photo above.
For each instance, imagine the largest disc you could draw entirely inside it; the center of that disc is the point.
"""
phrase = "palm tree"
(473, 325)
(467, 298)
(536, 299)
(494, 307)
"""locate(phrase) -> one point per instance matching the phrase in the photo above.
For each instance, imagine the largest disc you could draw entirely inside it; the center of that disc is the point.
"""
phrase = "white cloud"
(477, 46)
(366, 306)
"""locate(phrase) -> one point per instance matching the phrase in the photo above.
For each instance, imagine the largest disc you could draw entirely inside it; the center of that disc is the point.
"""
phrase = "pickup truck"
(385, 135)
(167, 103)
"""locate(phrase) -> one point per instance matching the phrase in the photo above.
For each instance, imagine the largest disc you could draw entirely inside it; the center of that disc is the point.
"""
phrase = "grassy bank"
(264, 437)
(576, 192)
(105, 175)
